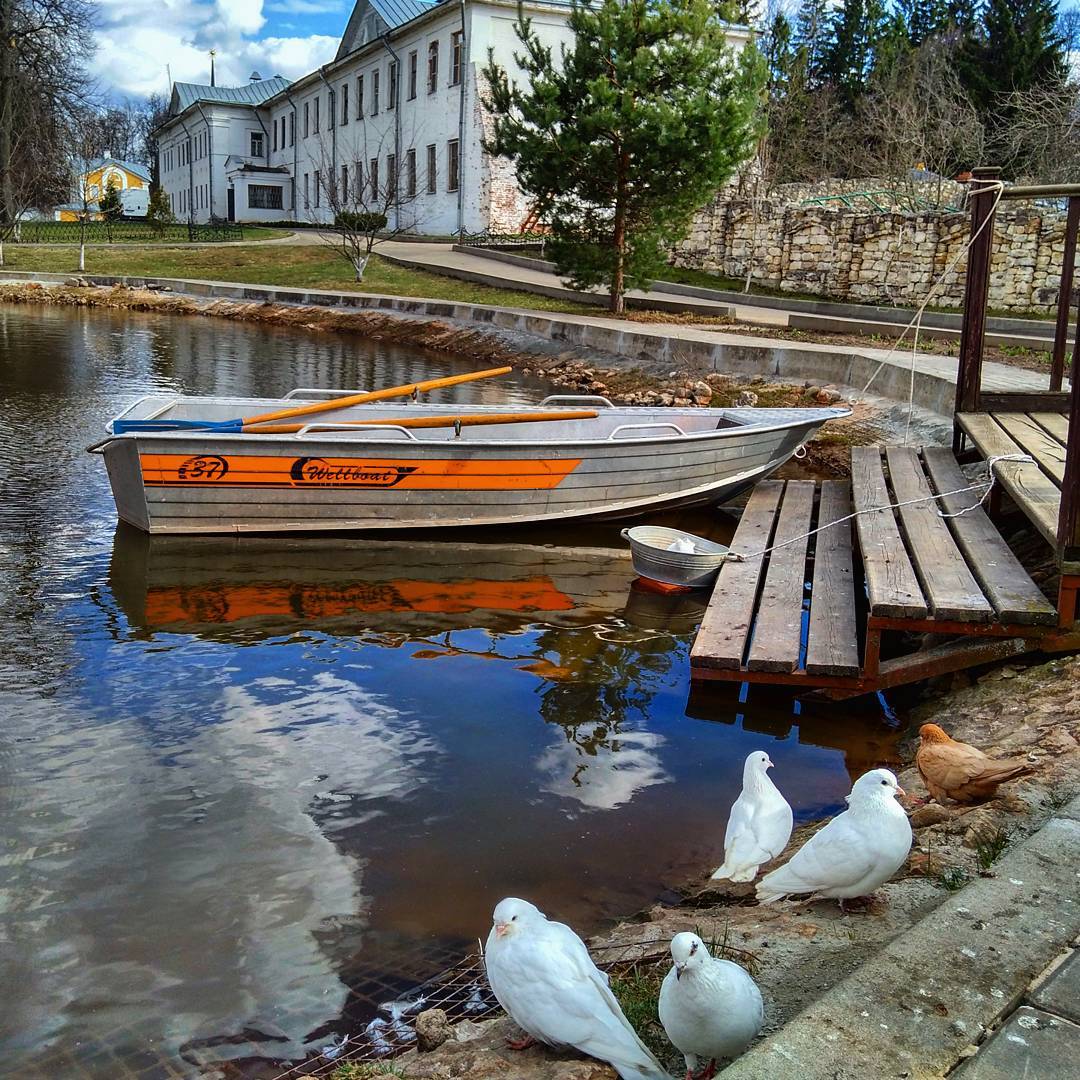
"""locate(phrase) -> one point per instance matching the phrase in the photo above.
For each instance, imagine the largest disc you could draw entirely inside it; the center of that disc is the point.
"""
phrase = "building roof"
(396, 13)
(254, 93)
(141, 171)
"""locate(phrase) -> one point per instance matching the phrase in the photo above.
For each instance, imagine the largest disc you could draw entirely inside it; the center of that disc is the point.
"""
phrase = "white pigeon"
(710, 1008)
(542, 975)
(855, 853)
(759, 825)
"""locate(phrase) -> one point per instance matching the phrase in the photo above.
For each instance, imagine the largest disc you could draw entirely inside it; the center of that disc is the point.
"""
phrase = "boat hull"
(192, 482)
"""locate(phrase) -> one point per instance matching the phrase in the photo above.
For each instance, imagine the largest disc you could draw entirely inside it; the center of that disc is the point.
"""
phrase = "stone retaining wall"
(889, 258)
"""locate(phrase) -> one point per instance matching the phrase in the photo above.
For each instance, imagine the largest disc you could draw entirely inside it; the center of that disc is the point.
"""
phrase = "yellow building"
(130, 180)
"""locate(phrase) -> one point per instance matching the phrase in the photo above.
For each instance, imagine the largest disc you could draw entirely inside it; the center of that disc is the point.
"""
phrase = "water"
(250, 789)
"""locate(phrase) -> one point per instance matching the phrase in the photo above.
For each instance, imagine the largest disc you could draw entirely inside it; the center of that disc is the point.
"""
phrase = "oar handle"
(373, 395)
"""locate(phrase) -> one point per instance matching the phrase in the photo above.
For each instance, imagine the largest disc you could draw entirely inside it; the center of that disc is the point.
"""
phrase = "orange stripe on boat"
(416, 474)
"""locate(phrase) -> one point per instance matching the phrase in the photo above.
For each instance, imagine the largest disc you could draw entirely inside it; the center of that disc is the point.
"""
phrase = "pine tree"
(812, 29)
(109, 204)
(158, 211)
(778, 47)
(925, 18)
(855, 31)
(648, 113)
(1015, 46)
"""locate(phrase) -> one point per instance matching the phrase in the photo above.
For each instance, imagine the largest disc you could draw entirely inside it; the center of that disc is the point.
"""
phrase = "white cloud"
(139, 47)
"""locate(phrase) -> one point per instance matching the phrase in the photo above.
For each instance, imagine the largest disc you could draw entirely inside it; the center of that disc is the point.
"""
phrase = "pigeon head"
(877, 784)
(757, 763)
(931, 733)
(688, 951)
(512, 914)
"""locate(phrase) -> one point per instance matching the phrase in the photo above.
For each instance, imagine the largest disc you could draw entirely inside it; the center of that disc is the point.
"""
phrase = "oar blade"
(120, 427)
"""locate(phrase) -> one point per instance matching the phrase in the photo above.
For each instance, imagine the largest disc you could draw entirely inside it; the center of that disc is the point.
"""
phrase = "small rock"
(667, 399)
(747, 399)
(931, 814)
(433, 1028)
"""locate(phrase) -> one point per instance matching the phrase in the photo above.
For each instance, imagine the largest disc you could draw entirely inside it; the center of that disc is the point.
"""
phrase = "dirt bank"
(798, 951)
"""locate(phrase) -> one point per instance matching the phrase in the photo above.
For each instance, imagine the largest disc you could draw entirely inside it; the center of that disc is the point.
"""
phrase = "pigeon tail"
(641, 1072)
(735, 873)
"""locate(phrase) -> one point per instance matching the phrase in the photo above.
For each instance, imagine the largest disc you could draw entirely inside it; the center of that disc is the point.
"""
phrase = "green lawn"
(292, 266)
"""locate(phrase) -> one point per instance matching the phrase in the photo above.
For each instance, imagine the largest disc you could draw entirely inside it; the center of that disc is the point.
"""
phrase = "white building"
(402, 99)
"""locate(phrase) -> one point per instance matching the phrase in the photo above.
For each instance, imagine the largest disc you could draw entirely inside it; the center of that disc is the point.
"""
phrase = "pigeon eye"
(513, 918)
(884, 783)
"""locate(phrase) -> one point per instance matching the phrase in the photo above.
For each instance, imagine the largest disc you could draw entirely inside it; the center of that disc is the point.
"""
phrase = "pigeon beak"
(501, 929)
(679, 969)
(900, 790)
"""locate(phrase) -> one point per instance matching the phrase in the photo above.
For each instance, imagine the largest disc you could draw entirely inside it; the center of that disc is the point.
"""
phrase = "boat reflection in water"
(259, 587)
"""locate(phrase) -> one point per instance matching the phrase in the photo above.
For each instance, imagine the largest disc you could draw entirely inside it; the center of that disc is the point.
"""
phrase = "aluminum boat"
(327, 477)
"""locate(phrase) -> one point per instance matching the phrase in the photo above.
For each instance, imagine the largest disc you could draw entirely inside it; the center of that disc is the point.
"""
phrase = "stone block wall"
(880, 258)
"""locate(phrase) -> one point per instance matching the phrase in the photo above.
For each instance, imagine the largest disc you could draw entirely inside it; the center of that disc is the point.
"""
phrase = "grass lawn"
(292, 266)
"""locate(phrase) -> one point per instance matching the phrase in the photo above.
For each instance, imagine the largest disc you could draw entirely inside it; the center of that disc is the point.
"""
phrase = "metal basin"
(650, 551)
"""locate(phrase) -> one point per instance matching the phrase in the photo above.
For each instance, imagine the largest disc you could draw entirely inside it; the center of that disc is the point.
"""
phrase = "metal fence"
(124, 232)
(504, 240)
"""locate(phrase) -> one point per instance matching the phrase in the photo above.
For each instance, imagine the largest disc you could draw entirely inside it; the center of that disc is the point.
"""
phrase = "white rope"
(987, 484)
(997, 187)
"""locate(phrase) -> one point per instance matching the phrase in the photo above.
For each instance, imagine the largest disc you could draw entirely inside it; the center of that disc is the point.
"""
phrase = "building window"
(315, 117)
(275, 136)
(410, 173)
(307, 119)
(414, 61)
(457, 57)
(391, 95)
(307, 192)
(391, 177)
(359, 97)
(345, 103)
(432, 67)
(453, 165)
(257, 141)
(358, 182)
(373, 177)
(318, 187)
(264, 197)
(374, 92)
(432, 169)
(292, 128)
(343, 194)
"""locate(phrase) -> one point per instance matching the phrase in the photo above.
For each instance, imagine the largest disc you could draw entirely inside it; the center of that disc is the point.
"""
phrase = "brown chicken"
(957, 771)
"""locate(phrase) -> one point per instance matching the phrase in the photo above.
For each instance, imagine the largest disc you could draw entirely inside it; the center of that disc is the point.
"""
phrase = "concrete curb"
(654, 347)
(915, 1007)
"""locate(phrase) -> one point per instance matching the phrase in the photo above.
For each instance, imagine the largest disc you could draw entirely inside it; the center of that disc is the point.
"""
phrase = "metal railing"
(504, 240)
(124, 232)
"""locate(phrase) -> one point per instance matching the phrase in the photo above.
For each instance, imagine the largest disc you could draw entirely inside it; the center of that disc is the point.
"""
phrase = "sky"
(139, 45)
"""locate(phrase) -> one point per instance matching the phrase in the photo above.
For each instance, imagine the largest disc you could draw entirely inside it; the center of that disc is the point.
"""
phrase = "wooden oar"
(120, 426)
(475, 420)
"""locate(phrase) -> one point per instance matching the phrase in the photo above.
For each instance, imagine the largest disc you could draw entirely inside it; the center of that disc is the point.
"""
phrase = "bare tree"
(1043, 137)
(44, 47)
(368, 200)
(917, 112)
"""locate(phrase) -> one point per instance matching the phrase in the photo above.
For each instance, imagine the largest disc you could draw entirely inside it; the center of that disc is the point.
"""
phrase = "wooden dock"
(829, 611)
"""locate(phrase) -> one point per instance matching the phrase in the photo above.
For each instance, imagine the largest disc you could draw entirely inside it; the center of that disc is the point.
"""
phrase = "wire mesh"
(462, 992)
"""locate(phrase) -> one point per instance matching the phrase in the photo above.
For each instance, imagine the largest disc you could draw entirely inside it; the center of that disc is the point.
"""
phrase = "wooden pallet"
(812, 611)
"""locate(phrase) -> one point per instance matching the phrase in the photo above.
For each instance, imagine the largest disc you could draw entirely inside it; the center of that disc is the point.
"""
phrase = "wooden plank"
(1028, 401)
(947, 583)
(1035, 494)
(1047, 451)
(891, 583)
(1006, 584)
(1056, 424)
(832, 646)
(725, 626)
(777, 637)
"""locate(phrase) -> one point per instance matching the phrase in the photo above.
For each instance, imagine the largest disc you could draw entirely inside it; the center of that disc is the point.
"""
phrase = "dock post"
(1061, 330)
(976, 292)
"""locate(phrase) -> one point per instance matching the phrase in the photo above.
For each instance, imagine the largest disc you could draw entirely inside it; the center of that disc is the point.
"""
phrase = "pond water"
(250, 789)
